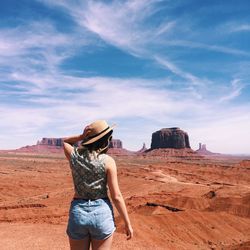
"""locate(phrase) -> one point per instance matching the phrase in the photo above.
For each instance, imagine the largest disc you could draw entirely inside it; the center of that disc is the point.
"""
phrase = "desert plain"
(174, 203)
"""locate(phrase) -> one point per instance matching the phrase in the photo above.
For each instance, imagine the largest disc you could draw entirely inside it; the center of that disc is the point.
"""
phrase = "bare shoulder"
(109, 163)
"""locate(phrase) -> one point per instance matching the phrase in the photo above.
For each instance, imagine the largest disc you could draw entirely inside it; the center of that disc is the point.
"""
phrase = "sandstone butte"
(176, 198)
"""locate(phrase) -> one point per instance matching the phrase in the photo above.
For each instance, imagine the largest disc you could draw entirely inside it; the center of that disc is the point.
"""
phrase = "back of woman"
(91, 218)
(89, 174)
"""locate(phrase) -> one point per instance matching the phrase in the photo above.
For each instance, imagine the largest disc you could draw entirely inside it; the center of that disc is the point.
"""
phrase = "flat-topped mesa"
(115, 143)
(170, 138)
(58, 142)
(116, 148)
(55, 145)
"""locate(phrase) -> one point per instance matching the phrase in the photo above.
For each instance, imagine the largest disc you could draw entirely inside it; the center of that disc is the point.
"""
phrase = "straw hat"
(96, 131)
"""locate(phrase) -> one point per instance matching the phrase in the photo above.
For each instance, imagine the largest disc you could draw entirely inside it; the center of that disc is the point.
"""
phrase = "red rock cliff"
(170, 138)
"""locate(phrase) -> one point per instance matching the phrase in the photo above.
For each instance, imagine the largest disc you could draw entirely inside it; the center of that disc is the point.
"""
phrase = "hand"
(129, 232)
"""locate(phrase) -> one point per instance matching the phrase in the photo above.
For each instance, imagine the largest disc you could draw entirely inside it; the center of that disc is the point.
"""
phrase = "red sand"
(174, 203)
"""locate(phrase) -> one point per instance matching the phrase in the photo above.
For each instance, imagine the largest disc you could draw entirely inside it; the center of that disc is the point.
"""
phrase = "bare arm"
(116, 195)
(69, 141)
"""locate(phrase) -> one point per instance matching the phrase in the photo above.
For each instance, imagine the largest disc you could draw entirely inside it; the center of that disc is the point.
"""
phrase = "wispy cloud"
(17, 41)
(124, 24)
(114, 99)
(174, 69)
(235, 90)
(120, 23)
(198, 45)
(236, 27)
(35, 46)
(165, 28)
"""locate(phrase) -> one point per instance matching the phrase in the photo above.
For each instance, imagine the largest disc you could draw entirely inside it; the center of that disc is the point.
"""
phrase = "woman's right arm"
(116, 195)
(69, 141)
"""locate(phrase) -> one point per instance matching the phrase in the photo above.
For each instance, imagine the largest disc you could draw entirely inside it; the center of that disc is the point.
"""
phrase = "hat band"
(93, 136)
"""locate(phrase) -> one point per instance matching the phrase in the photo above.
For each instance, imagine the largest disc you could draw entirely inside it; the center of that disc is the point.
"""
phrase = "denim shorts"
(93, 218)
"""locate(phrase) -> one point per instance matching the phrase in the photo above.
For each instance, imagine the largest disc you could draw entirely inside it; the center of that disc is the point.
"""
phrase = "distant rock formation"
(44, 146)
(203, 150)
(202, 146)
(58, 142)
(143, 149)
(55, 145)
(115, 143)
(170, 138)
(116, 148)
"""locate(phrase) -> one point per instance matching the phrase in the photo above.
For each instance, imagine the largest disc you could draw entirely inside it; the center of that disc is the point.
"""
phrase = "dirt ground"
(174, 203)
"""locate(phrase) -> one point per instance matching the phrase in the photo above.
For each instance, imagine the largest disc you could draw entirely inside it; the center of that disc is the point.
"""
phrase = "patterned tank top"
(89, 175)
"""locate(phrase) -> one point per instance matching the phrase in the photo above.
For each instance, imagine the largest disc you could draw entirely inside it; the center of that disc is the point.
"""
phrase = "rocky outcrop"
(143, 149)
(173, 154)
(55, 145)
(116, 148)
(58, 142)
(203, 150)
(115, 143)
(170, 138)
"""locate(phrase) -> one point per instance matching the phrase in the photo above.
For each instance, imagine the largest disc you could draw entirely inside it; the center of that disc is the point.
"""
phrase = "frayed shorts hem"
(94, 238)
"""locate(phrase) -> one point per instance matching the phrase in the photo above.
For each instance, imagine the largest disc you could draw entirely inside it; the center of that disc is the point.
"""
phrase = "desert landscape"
(176, 198)
(170, 77)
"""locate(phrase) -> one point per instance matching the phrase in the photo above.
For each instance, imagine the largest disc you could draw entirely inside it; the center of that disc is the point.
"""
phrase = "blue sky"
(142, 64)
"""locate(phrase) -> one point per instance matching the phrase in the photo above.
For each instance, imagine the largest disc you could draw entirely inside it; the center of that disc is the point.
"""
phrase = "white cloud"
(119, 23)
(64, 111)
(199, 45)
(35, 46)
(56, 104)
(235, 91)
(177, 71)
(239, 27)
(165, 28)
(17, 41)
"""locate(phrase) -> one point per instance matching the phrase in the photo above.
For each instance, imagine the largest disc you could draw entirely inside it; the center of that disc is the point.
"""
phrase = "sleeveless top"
(89, 175)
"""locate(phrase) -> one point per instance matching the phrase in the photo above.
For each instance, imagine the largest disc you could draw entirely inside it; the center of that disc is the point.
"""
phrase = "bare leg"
(79, 244)
(102, 244)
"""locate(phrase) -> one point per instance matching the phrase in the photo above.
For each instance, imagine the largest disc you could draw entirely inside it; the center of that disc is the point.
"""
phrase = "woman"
(91, 218)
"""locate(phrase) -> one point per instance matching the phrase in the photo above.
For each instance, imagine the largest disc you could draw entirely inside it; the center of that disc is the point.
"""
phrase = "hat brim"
(96, 138)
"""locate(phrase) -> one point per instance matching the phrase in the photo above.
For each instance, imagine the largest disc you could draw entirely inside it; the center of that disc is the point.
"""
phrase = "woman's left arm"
(69, 141)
